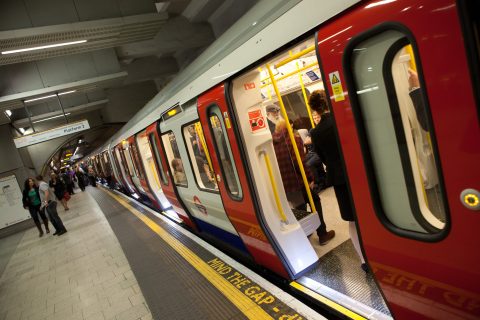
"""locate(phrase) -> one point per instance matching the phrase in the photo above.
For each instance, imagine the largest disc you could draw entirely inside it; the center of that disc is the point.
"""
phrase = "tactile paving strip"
(171, 287)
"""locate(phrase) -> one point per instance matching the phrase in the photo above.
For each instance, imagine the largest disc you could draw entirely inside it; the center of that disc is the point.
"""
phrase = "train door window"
(224, 152)
(158, 160)
(393, 114)
(128, 158)
(174, 160)
(137, 161)
(199, 157)
(148, 162)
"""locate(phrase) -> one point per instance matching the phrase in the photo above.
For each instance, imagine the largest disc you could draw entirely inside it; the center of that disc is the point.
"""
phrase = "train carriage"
(401, 80)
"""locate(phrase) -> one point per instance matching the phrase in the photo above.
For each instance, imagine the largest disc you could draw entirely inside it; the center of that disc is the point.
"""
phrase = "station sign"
(50, 134)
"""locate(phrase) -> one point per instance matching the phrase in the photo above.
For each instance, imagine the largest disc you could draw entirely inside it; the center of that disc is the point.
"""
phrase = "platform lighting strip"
(61, 115)
(50, 96)
(44, 47)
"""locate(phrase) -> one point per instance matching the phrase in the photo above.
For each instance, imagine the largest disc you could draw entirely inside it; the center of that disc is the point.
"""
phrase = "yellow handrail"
(283, 217)
(290, 73)
(304, 92)
(295, 56)
(198, 128)
(292, 139)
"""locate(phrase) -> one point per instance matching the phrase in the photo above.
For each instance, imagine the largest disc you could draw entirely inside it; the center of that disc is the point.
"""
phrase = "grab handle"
(283, 217)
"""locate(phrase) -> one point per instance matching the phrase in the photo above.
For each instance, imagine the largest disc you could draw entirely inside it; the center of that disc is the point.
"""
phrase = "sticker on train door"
(200, 206)
(336, 84)
(256, 119)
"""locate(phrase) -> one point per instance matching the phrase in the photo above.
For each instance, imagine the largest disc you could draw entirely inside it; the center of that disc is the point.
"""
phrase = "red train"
(202, 153)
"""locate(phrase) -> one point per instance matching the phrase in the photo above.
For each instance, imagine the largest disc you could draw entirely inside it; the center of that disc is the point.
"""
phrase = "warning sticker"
(249, 85)
(336, 84)
(256, 119)
(199, 205)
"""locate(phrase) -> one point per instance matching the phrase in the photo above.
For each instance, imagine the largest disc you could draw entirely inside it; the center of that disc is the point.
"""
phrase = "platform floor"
(120, 260)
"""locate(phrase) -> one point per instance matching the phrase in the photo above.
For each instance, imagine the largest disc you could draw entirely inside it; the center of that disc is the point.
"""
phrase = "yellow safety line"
(283, 217)
(292, 139)
(347, 312)
(295, 56)
(241, 301)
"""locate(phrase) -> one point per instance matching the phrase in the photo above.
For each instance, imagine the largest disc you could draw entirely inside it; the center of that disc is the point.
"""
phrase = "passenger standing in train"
(59, 190)
(50, 206)
(325, 144)
(273, 116)
(80, 178)
(178, 171)
(31, 201)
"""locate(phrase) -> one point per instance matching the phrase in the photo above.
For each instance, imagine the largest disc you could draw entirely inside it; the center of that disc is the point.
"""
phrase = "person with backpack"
(49, 206)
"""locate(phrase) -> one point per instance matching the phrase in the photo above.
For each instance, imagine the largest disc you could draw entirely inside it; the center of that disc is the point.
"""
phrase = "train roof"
(266, 27)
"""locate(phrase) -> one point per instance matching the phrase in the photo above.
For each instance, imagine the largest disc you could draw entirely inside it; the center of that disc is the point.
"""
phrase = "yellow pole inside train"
(292, 139)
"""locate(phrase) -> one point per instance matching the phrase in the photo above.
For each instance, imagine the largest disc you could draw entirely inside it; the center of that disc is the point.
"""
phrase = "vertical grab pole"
(283, 217)
(292, 139)
(304, 92)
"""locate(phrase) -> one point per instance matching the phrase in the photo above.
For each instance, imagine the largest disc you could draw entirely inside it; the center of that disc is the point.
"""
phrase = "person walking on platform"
(50, 206)
(80, 178)
(59, 189)
(31, 201)
(91, 176)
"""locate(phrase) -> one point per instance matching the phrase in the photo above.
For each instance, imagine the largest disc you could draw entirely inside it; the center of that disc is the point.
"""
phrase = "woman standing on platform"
(31, 201)
(59, 189)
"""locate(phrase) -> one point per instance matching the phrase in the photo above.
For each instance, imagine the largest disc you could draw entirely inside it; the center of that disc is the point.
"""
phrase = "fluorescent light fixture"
(61, 115)
(379, 3)
(22, 130)
(50, 96)
(8, 112)
(44, 47)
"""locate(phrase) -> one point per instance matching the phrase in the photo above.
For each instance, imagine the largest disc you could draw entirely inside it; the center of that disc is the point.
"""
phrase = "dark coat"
(289, 170)
(26, 198)
(58, 188)
(325, 145)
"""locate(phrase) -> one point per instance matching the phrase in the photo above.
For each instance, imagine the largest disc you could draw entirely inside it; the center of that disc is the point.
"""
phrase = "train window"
(158, 160)
(393, 113)
(131, 167)
(199, 156)
(137, 161)
(224, 153)
(174, 160)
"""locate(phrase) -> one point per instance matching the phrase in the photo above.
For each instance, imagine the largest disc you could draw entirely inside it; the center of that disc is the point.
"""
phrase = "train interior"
(296, 75)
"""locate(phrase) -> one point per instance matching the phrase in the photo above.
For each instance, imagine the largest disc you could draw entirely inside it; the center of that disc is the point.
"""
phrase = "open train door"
(237, 197)
(166, 181)
(411, 149)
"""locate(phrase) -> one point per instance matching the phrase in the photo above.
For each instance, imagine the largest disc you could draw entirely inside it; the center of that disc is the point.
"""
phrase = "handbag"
(66, 195)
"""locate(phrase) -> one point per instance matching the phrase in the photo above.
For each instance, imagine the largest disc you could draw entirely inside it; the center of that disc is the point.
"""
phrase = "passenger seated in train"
(325, 144)
(205, 174)
(179, 173)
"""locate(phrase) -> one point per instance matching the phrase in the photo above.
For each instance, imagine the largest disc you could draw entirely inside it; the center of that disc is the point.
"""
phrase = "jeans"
(51, 210)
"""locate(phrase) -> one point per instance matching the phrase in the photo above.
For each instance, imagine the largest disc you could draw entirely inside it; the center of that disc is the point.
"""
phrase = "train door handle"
(470, 198)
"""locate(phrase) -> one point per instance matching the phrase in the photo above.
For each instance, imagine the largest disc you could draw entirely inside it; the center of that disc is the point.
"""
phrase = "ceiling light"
(44, 47)
(50, 96)
(8, 112)
(61, 115)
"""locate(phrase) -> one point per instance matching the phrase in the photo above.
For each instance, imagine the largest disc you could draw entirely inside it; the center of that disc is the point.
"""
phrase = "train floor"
(338, 275)
(120, 260)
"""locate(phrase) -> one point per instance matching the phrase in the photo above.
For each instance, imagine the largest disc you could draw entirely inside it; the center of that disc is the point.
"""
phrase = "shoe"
(55, 233)
(48, 231)
(66, 209)
(326, 237)
(40, 234)
(61, 232)
(364, 267)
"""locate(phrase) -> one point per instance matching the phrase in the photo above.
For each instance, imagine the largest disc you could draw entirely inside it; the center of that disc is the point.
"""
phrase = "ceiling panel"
(13, 15)
(50, 12)
(80, 66)
(129, 8)
(53, 71)
(106, 61)
(21, 77)
(94, 9)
